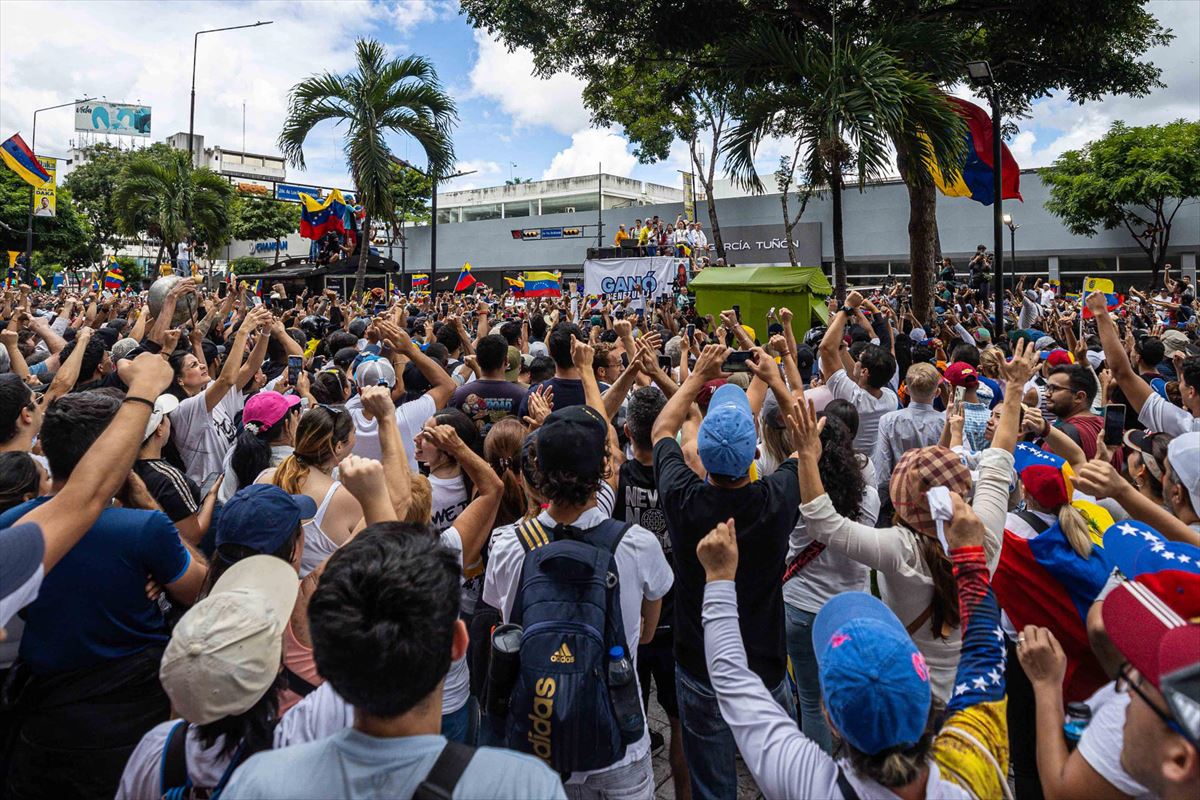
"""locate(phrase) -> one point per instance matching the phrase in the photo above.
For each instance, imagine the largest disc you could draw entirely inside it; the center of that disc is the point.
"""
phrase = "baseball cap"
(109, 336)
(244, 518)
(960, 373)
(917, 335)
(805, 358)
(1183, 454)
(224, 654)
(1161, 645)
(705, 395)
(372, 371)
(1143, 443)
(573, 439)
(513, 366)
(1095, 358)
(123, 348)
(1044, 343)
(1046, 484)
(771, 416)
(345, 356)
(266, 408)
(165, 404)
(874, 680)
(983, 334)
(727, 440)
(1058, 358)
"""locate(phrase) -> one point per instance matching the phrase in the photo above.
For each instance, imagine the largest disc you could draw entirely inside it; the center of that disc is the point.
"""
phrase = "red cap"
(707, 391)
(1059, 358)
(960, 373)
(1046, 484)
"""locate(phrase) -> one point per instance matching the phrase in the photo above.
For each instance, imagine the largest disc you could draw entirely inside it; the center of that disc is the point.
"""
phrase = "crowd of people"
(656, 237)
(459, 545)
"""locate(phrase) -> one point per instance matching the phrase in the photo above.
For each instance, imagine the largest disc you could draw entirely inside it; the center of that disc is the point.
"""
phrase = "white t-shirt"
(449, 499)
(143, 771)
(831, 572)
(870, 409)
(1104, 737)
(643, 571)
(1159, 415)
(203, 438)
(410, 417)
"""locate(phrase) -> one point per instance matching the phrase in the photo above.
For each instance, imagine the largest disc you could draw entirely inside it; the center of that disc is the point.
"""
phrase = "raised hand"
(805, 430)
(582, 355)
(708, 365)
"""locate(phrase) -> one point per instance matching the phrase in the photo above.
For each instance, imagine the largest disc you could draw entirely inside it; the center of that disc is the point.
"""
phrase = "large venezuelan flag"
(465, 279)
(975, 177)
(542, 284)
(20, 159)
(318, 217)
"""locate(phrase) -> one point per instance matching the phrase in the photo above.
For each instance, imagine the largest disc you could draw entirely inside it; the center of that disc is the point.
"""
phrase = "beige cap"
(225, 652)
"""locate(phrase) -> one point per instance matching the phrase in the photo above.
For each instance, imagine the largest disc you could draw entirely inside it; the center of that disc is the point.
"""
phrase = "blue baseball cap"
(1137, 549)
(263, 517)
(874, 680)
(728, 440)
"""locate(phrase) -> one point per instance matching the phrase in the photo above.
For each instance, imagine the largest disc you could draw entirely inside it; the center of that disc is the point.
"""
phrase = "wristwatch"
(848, 311)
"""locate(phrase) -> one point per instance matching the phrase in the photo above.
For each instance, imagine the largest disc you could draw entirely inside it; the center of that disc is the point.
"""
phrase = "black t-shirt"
(488, 401)
(567, 392)
(637, 502)
(178, 494)
(765, 512)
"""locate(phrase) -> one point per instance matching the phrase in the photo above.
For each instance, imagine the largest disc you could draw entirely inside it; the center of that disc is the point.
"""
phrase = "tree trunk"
(276, 261)
(788, 225)
(158, 259)
(711, 203)
(924, 248)
(839, 247)
(364, 252)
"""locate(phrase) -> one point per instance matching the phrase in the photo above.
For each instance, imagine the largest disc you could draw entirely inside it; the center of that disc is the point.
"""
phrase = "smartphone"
(737, 312)
(445, 308)
(691, 333)
(664, 362)
(255, 300)
(1114, 424)
(960, 393)
(771, 314)
(641, 315)
(738, 361)
(380, 308)
(295, 364)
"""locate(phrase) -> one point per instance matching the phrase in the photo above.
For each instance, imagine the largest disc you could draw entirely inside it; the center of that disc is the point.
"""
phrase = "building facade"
(581, 195)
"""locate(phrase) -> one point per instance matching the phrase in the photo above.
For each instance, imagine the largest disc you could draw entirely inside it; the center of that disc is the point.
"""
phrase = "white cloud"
(590, 149)
(507, 78)
(79, 48)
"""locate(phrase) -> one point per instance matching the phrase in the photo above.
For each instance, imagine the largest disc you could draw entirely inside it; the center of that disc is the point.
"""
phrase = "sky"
(511, 123)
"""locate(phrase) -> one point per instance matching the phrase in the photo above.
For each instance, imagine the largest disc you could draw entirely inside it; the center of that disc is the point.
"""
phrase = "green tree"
(158, 193)
(401, 95)
(92, 185)
(411, 192)
(1131, 178)
(64, 239)
(246, 265)
(259, 218)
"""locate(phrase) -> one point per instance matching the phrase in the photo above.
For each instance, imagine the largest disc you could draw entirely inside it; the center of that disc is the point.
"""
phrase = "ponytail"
(290, 475)
(1075, 527)
(252, 451)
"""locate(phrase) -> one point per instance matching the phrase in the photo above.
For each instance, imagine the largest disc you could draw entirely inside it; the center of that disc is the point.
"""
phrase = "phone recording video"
(1114, 424)
(738, 361)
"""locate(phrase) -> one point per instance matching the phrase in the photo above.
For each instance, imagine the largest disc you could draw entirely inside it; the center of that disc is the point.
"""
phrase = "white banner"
(636, 278)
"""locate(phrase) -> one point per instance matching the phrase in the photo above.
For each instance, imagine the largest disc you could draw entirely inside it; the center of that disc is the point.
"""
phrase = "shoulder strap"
(297, 683)
(845, 786)
(916, 624)
(447, 770)
(173, 772)
(1038, 524)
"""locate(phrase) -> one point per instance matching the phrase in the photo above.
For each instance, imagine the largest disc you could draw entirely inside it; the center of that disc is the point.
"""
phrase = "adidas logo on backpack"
(563, 655)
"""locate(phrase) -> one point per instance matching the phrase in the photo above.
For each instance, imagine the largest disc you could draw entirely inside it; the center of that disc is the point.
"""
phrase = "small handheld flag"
(113, 279)
(1112, 300)
(21, 160)
(542, 284)
(420, 281)
(465, 279)
(39, 282)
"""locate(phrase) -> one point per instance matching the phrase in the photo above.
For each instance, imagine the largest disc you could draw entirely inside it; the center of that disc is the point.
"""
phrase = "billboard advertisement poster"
(689, 196)
(45, 198)
(122, 119)
(291, 192)
(634, 278)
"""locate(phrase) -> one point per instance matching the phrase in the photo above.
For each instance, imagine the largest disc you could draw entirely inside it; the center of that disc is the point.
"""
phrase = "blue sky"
(51, 53)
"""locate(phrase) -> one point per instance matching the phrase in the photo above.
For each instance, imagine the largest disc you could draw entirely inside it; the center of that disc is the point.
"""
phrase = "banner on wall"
(119, 118)
(45, 197)
(689, 196)
(634, 278)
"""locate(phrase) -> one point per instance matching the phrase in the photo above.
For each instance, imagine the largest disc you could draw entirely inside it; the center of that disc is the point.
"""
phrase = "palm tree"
(844, 101)
(402, 95)
(158, 193)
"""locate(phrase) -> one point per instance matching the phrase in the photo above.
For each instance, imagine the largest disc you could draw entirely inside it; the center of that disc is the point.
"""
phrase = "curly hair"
(839, 468)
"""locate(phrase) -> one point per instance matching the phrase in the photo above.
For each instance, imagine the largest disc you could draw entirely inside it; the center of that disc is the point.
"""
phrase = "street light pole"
(981, 73)
(29, 222)
(1012, 249)
(433, 182)
(192, 107)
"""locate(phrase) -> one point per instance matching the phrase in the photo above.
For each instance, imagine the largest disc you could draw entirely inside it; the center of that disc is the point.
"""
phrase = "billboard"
(122, 119)
(291, 192)
(45, 198)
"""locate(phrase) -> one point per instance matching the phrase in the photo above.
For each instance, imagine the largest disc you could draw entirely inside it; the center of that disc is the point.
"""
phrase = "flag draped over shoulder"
(465, 279)
(20, 159)
(975, 174)
(542, 284)
(318, 217)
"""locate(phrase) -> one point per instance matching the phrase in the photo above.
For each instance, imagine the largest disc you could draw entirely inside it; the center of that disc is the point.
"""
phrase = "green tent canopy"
(756, 290)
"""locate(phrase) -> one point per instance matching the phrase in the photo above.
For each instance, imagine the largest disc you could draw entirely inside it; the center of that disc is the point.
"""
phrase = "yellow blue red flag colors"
(974, 179)
(20, 159)
(114, 279)
(542, 284)
(1105, 285)
(318, 217)
(516, 285)
(465, 279)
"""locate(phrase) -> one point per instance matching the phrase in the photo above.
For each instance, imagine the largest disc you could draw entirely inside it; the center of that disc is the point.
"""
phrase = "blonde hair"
(991, 361)
(318, 433)
(420, 507)
(922, 380)
(1076, 528)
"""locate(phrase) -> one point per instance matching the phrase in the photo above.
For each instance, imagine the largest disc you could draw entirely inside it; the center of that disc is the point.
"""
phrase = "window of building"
(578, 204)
(520, 208)
(475, 213)
(1094, 266)
(446, 216)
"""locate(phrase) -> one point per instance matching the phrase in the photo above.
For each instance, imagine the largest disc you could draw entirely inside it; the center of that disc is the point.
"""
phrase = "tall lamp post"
(1012, 244)
(192, 108)
(981, 73)
(29, 222)
(433, 182)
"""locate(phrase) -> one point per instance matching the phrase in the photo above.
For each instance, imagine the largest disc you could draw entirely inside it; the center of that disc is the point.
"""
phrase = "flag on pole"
(1105, 285)
(420, 282)
(516, 285)
(114, 279)
(542, 284)
(975, 176)
(317, 217)
(20, 159)
(465, 279)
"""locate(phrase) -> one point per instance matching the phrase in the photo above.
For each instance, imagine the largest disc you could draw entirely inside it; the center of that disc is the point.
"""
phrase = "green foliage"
(258, 218)
(131, 269)
(157, 192)
(92, 185)
(411, 191)
(64, 239)
(246, 265)
(401, 95)
(1135, 178)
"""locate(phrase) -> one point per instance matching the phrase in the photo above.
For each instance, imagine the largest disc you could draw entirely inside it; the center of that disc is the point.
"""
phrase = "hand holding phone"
(738, 361)
(295, 364)
(1114, 424)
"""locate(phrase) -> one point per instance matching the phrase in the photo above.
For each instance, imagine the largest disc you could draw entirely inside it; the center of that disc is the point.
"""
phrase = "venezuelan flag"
(421, 280)
(542, 284)
(39, 282)
(20, 159)
(516, 285)
(318, 217)
(465, 279)
(113, 279)
(974, 179)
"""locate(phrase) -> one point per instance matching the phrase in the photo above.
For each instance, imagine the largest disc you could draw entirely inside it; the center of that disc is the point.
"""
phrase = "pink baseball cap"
(267, 408)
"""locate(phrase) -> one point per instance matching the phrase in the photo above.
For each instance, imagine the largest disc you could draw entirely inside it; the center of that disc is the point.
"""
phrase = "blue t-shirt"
(567, 392)
(92, 606)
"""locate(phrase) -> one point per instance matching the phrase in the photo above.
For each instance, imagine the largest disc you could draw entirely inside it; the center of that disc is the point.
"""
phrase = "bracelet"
(1045, 428)
(132, 399)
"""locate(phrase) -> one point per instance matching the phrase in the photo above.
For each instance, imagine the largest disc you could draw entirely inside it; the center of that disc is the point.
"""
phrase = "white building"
(586, 193)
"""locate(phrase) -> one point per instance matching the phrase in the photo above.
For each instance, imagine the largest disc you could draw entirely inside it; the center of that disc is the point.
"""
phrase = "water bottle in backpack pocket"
(568, 602)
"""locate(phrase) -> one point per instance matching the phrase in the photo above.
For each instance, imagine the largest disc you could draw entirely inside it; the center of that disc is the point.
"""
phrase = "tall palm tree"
(158, 193)
(402, 95)
(844, 100)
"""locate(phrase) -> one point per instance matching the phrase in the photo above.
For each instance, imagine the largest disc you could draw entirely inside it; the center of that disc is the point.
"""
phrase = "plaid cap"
(919, 471)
